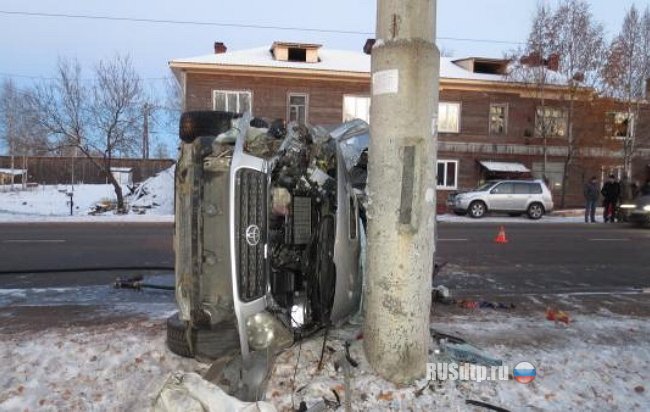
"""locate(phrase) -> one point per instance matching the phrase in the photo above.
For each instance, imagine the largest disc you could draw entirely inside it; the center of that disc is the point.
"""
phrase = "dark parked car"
(639, 211)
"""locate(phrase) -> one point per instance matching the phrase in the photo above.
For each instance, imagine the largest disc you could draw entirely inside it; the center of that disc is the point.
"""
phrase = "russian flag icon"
(524, 372)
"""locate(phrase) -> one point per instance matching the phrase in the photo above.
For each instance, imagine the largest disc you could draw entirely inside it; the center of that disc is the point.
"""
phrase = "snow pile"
(51, 200)
(155, 195)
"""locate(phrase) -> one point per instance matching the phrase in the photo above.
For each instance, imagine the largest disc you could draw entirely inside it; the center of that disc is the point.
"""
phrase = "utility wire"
(233, 25)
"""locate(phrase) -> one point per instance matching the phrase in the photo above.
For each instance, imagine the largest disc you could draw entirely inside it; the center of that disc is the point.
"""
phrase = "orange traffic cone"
(501, 236)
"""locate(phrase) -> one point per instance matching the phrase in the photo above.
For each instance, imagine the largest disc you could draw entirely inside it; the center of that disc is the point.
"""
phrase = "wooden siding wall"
(270, 94)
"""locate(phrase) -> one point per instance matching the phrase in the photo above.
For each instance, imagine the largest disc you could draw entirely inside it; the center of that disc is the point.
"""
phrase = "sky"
(30, 45)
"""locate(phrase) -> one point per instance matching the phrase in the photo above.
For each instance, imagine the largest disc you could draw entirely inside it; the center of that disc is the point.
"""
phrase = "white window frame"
(356, 96)
(458, 123)
(564, 118)
(296, 94)
(630, 126)
(238, 93)
(505, 114)
(444, 186)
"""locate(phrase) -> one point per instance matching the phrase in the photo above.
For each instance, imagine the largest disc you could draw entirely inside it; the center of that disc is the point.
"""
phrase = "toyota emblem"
(253, 235)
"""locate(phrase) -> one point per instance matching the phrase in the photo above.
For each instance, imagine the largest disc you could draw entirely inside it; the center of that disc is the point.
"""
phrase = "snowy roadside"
(595, 363)
(130, 218)
(120, 362)
(49, 203)
(114, 366)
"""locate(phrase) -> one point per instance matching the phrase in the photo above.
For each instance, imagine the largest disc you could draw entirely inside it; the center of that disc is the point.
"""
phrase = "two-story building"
(489, 125)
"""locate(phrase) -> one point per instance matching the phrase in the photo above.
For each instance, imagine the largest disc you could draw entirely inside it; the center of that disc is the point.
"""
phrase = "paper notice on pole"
(385, 82)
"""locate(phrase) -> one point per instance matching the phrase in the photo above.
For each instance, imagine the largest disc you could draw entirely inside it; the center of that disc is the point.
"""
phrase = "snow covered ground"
(111, 355)
(49, 203)
(595, 363)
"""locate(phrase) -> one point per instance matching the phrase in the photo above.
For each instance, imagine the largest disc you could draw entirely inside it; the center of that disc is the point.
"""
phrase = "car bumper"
(641, 217)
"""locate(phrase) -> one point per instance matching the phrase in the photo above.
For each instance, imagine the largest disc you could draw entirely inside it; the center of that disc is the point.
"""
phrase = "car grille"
(250, 233)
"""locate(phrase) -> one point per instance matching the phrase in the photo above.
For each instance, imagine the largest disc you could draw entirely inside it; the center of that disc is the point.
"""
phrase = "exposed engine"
(302, 222)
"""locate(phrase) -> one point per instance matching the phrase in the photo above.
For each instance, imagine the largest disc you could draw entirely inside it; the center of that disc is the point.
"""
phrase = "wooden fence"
(60, 170)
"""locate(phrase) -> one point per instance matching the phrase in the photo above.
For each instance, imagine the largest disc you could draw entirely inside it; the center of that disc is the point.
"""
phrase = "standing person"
(611, 191)
(591, 198)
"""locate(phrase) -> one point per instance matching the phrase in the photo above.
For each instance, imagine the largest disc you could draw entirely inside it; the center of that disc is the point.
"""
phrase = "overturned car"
(268, 232)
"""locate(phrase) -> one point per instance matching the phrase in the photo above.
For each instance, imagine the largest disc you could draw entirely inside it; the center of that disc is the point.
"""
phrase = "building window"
(232, 101)
(448, 117)
(554, 172)
(447, 176)
(619, 125)
(297, 108)
(498, 119)
(550, 122)
(356, 107)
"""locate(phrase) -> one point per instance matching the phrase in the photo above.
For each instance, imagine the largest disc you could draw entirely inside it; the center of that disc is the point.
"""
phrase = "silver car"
(514, 197)
(267, 236)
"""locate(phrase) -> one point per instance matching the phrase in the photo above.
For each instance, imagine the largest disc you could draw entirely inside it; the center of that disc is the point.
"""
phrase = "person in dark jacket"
(591, 198)
(611, 191)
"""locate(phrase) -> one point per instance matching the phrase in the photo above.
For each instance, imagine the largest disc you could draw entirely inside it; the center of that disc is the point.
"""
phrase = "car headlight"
(646, 208)
(627, 206)
(265, 331)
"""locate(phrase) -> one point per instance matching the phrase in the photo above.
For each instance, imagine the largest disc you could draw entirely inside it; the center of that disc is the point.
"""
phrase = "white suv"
(514, 197)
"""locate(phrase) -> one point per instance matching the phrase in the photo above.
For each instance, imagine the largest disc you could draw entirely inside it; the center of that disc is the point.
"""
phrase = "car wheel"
(216, 342)
(212, 343)
(177, 337)
(204, 123)
(477, 209)
(535, 211)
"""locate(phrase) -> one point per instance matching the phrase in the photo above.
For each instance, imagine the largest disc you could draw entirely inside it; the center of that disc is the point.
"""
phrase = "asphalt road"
(542, 257)
(538, 257)
(58, 246)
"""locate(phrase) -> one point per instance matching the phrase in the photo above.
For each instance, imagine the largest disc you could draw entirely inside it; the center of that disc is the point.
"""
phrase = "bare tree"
(626, 72)
(161, 151)
(581, 51)
(100, 119)
(21, 135)
(536, 65)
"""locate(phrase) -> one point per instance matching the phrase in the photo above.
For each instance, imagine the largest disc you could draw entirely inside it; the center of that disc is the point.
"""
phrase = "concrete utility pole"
(402, 189)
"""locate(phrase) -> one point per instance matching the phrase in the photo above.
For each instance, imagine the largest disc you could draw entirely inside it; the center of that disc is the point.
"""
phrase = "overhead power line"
(224, 24)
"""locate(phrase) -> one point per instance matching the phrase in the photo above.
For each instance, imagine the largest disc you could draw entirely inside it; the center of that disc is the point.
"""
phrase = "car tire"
(216, 342)
(477, 209)
(221, 339)
(204, 123)
(535, 211)
(177, 337)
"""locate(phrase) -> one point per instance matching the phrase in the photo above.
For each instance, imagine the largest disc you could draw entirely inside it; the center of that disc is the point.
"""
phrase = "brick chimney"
(367, 48)
(219, 47)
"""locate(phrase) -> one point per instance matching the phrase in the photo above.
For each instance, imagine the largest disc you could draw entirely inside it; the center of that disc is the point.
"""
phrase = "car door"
(520, 196)
(501, 196)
